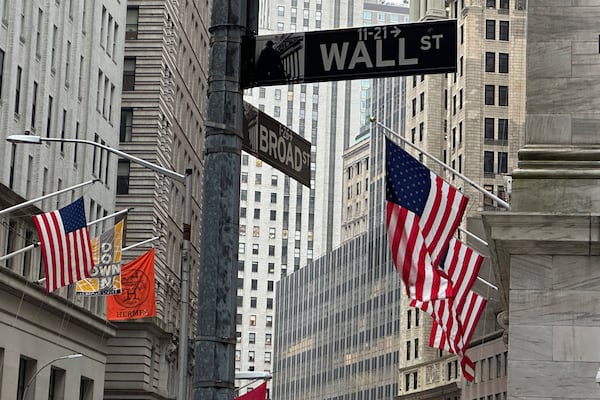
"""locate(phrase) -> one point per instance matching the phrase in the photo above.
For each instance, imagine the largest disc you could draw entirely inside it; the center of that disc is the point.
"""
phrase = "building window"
(489, 95)
(268, 339)
(490, 29)
(1, 69)
(267, 357)
(422, 101)
(503, 96)
(414, 107)
(86, 388)
(126, 124)
(251, 337)
(251, 356)
(490, 61)
(123, 169)
(49, 119)
(269, 303)
(503, 129)
(252, 302)
(269, 321)
(129, 73)
(490, 3)
(257, 213)
(280, 11)
(56, 384)
(488, 131)
(270, 286)
(488, 163)
(18, 89)
(254, 284)
(416, 348)
(503, 63)
(504, 4)
(255, 248)
(131, 26)
(504, 30)
(34, 104)
(408, 343)
(502, 162)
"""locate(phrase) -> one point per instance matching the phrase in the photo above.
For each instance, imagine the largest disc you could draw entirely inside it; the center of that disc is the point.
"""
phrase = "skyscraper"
(473, 120)
(283, 224)
(162, 120)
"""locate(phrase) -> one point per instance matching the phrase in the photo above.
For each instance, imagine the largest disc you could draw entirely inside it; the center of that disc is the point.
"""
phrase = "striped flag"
(455, 319)
(65, 243)
(467, 320)
(258, 393)
(423, 212)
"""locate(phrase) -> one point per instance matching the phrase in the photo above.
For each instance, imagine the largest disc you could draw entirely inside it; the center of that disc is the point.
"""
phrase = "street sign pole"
(214, 368)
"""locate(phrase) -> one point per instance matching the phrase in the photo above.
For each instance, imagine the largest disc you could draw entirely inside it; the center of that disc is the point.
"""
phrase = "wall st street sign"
(274, 143)
(354, 53)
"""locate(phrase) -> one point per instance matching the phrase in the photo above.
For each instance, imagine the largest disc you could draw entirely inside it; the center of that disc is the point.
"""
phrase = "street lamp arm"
(38, 139)
(70, 356)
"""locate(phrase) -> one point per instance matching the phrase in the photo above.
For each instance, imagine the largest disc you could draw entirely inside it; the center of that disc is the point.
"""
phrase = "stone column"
(546, 251)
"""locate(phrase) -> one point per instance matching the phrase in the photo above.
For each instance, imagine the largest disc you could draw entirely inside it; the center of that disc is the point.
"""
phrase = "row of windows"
(258, 176)
(253, 302)
(490, 62)
(252, 356)
(416, 349)
(109, 32)
(268, 338)
(252, 321)
(488, 163)
(254, 284)
(56, 386)
(504, 4)
(490, 95)
(490, 29)
(491, 368)
(270, 266)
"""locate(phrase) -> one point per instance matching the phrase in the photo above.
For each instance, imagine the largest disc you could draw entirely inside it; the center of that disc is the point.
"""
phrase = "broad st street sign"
(274, 143)
(354, 53)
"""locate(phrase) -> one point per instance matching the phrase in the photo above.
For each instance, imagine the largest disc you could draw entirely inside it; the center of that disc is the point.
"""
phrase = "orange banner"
(138, 297)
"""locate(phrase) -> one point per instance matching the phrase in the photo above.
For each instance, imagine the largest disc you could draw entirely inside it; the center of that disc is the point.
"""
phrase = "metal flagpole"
(26, 203)
(442, 164)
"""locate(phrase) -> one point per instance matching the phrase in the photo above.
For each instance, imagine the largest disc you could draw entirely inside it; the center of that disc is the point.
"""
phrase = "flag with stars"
(66, 246)
(423, 212)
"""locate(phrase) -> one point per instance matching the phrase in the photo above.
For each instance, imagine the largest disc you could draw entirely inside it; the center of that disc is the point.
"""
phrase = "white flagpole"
(32, 246)
(442, 164)
(140, 243)
(472, 235)
(26, 203)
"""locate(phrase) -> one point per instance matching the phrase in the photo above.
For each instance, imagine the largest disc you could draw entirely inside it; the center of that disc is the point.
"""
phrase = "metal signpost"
(241, 60)
(274, 143)
(354, 53)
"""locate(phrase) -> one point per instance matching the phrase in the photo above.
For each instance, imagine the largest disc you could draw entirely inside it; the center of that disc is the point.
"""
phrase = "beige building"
(473, 120)
(60, 77)
(162, 121)
(355, 200)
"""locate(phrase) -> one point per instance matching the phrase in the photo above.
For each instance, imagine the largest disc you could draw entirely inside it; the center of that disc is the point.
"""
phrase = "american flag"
(455, 319)
(423, 212)
(65, 243)
(466, 322)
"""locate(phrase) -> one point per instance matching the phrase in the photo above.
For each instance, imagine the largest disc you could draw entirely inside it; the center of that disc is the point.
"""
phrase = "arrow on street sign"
(354, 53)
